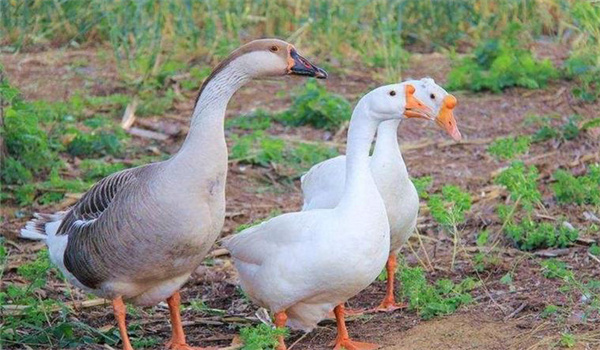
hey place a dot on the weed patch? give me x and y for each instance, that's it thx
(314, 105)
(442, 298)
(449, 210)
(517, 217)
(578, 190)
(261, 149)
(499, 63)
(506, 148)
(261, 337)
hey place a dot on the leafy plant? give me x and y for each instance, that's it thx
(509, 147)
(578, 190)
(315, 106)
(449, 210)
(450, 207)
(567, 340)
(104, 138)
(530, 235)
(96, 169)
(443, 298)
(261, 149)
(261, 337)
(584, 64)
(422, 184)
(257, 120)
(499, 63)
(42, 321)
(521, 182)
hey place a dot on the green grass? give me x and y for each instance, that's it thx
(506, 148)
(500, 63)
(531, 235)
(578, 190)
(40, 137)
(519, 223)
(261, 149)
(423, 185)
(261, 337)
(584, 64)
(314, 105)
(38, 322)
(449, 209)
(430, 300)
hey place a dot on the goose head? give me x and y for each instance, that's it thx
(396, 101)
(441, 102)
(267, 58)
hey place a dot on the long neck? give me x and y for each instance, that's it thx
(387, 161)
(204, 151)
(387, 139)
(359, 180)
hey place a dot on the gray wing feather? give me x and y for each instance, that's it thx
(91, 206)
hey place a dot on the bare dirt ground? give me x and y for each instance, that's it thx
(502, 317)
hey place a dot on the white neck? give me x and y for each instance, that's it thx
(359, 181)
(204, 151)
(387, 139)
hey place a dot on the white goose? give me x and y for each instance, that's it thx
(323, 184)
(302, 265)
(138, 234)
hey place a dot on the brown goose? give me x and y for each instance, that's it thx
(138, 234)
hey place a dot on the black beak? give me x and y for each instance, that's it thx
(301, 66)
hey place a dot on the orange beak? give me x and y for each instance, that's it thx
(413, 107)
(445, 118)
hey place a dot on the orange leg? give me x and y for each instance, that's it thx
(119, 311)
(389, 302)
(343, 339)
(280, 320)
(177, 341)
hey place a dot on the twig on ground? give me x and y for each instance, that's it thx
(514, 313)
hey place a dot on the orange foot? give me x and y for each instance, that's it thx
(349, 344)
(388, 306)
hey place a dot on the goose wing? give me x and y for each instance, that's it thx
(96, 201)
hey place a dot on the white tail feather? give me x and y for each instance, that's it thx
(38, 228)
(30, 232)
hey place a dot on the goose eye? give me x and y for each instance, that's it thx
(432, 96)
(392, 93)
(274, 48)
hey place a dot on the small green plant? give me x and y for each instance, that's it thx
(42, 322)
(530, 235)
(595, 250)
(315, 106)
(442, 298)
(500, 63)
(549, 310)
(261, 337)
(506, 148)
(261, 149)
(105, 138)
(567, 340)
(257, 120)
(96, 169)
(423, 184)
(449, 210)
(579, 190)
(524, 231)
(584, 65)
(521, 182)
(257, 148)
